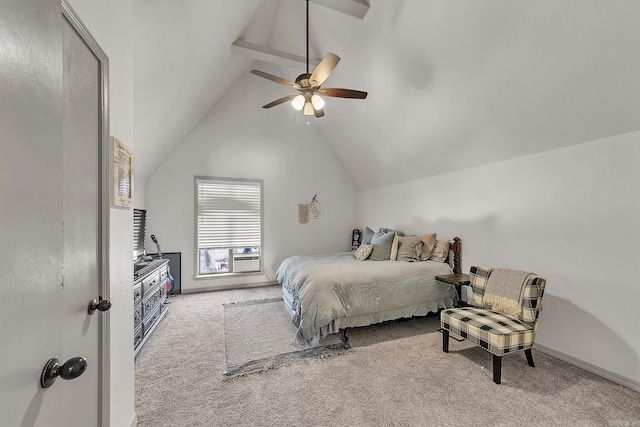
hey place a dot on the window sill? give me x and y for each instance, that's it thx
(228, 275)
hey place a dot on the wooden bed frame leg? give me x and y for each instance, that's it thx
(345, 338)
(529, 355)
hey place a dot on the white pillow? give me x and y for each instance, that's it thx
(363, 251)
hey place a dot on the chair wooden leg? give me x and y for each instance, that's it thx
(445, 340)
(497, 369)
(527, 353)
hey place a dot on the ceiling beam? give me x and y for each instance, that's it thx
(355, 8)
(273, 56)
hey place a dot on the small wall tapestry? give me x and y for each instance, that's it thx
(303, 211)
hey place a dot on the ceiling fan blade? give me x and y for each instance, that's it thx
(342, 93)
(324, 68)
(275, 78)
(319, 113)
(280, 101)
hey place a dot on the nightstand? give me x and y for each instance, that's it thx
(457, 280)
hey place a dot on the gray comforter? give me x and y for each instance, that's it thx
(329, 287)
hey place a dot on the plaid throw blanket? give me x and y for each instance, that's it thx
(503, 292)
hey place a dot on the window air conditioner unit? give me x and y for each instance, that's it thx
(246, 262)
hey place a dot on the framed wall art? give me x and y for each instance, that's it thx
(122, 174)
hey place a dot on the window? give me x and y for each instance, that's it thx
(228, 226)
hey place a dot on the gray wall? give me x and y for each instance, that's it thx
(569, 215)
(238, 139)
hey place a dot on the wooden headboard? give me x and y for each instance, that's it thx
(456, 247)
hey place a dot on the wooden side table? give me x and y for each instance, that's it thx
(457, 280)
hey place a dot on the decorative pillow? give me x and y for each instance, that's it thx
(381, 246)
(394, 248)
(391, 230)
(409, 248)
(429, 241)
(394, 244)
(367, 235)
(440, 251)
(363, 251)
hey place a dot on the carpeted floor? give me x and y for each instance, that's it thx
(395, 375)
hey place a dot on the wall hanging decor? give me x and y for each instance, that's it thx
(303, 211)
(122, 174)
(314, 208)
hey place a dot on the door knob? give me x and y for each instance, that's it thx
(101, 305)
(71, 369)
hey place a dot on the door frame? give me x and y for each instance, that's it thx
(104, 365)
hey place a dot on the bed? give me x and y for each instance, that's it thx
(329, 292)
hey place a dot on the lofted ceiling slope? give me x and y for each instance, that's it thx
(451, 85)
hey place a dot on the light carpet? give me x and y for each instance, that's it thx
(259, 335)
(396, 375)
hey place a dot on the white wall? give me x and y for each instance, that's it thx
(238, 139)
(570, 215)
(111, 26)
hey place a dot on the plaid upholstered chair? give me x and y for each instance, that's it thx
(503, 316)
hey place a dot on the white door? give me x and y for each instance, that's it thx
(82, 212)
(50, 222)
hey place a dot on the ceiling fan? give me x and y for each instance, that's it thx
(308, 84)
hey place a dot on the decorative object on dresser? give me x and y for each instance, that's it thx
(149, 299)
(504, 317)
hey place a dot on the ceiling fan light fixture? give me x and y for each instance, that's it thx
(298, 102)
(308, 85)
(317, 102)
(308, 109)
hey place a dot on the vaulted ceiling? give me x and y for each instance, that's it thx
(452, 84)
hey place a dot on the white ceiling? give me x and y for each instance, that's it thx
(452, 84)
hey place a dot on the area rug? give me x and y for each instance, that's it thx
(259, 336)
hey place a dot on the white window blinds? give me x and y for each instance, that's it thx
(228, 213)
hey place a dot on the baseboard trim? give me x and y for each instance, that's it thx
(229, 286)
(627, 382)
(134, 420)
